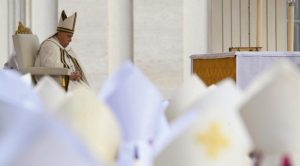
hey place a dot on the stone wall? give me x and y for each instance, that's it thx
(158, 40)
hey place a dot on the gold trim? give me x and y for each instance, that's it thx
(61, 29)
(22, 29)
(64, 82)
(75, 62)
(63, 59)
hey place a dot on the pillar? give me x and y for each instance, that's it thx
(120, 32)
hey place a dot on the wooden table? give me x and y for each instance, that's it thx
(212, 68)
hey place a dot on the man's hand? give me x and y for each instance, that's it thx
(75, 76)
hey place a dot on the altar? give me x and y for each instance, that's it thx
(212, 68)
(243, 67)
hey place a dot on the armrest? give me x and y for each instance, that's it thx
(45, 71)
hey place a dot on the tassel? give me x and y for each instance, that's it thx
(285, 161)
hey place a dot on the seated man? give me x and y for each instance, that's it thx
(54, 52)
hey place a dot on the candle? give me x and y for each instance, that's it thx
(258, 22)
(290, 44)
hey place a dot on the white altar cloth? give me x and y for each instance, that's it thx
(251, 64)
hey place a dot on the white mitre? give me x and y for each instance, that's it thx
(211, 135)
(214, 134)
(271, 112)
(93, 122)
(27, 78)
(33, 139)
(15, 91)
(67, 24)
(50, 93)
(184, 97)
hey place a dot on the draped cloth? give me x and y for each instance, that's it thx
(52, 54)
(250, 64)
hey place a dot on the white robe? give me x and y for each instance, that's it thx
(52, 54)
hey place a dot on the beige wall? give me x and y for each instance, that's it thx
(158, 42)
(43, 18)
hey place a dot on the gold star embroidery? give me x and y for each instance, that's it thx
(213, 140)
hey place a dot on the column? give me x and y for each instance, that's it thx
(4, 30)
(28, 13)
(44, 18)
(195, 31)
(259, 22)
(120, 32)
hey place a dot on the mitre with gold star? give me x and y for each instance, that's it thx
(214, 134)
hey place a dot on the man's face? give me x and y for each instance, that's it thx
(64, 38)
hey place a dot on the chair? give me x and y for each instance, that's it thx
(26, 47)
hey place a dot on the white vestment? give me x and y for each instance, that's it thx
(52, 54)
